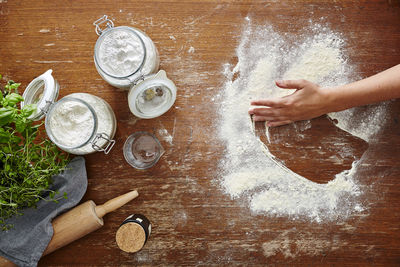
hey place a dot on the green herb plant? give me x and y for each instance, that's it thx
(28, 160)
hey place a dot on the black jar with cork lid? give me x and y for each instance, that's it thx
(133, 233)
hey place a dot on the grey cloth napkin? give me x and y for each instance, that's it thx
(25, 243)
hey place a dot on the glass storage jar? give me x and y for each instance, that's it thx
(78, 123)
(142, 150)
(123, 54)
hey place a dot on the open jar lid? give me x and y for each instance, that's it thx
(153, 96)
(42, 92)
(120, 52)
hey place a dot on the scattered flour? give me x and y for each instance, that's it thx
(163, 133)
(271, 188)
(191, 50)
(366, 122)
(52, 61)
(290, 243)
(319, 59)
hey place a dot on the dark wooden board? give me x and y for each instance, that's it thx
(194, 222)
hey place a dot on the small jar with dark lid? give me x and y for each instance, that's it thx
(133, 233)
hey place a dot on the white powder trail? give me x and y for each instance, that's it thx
(365, 122)
(52, 61)
(163, 133)
(246, 171)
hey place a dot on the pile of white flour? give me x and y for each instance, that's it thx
(264, 56)
(71, 123)
(121, 53)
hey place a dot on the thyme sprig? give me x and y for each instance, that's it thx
(28, 160)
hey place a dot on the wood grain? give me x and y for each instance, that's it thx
(301, 147)
(194, 222)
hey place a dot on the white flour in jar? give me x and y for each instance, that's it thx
(106, 121)
(121, 53)
(72, 122)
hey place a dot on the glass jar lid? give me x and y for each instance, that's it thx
(119, 52)
(71, 123)
(153, 96)
(42, 92)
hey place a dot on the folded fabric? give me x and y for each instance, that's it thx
(25, 243)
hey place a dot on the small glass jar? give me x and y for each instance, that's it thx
(142, 150)
(123, 54)
(78, 123)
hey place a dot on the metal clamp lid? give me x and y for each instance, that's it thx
(109, 143)
(137, 80)
(46, 108)
(102, 20)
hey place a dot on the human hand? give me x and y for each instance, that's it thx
(307, 102)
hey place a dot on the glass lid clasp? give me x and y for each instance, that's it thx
(109, 143)
(135, 81)
(102, 20)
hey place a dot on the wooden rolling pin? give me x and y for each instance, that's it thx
(79, 222)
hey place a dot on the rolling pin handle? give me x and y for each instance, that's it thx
(115, 203)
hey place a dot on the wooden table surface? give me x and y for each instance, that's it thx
(194, 222)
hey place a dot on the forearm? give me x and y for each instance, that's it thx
(380, 87)
(310, 100)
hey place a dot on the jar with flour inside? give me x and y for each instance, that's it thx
(123, 54)
(127, 58)
(78, 123)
